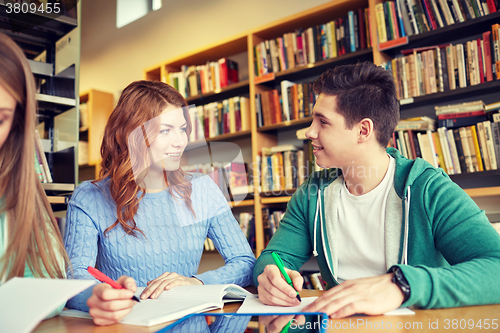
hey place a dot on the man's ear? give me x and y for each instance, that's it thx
(365, 130)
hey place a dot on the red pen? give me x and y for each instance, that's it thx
(103, 278)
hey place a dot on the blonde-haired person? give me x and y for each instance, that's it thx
(30, 242)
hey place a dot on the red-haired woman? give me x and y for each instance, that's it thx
(30, 242)
(144, 220)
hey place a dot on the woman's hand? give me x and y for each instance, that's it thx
(167, 281)
(108, 306)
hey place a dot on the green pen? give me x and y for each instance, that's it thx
(281, 267)
(285, 329)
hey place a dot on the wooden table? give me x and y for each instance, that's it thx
(436, 320)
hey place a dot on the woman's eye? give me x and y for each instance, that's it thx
(184, 129)
(165, 131)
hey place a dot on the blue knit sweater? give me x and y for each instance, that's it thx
(174, 237)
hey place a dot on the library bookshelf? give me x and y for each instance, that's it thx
(242, 46)
(98, 108)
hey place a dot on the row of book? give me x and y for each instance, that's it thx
(231, 115)
(230, 177)
(456, 149)
(433, 69)
(324, 41)
(247, 225)
(202, 79)
(402, 18)
(282, 168)
(313, 280)
(270, 222)
(41, 165)
(293, 101)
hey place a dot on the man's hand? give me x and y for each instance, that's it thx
(108, 306)
(167, 281)
(372, 296)
(273, 289)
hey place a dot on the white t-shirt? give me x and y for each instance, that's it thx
(361, 247)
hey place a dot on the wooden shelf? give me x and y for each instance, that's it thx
(317, 68)
(483, 192)
(239, 88)
(244, 203)
(288, 124)
(223, 137)
(57, 200)
(274, 200)
(442, 35)
(449, 96)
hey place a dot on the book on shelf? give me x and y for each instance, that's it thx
(295, 101)
(228, 116)
(300, 47)
(438, 68)
(200, 79)
(282, 168)
(41, 164)
(176, 303)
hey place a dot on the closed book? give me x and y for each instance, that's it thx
(460, 122)
(475, 144)
(482, 146)
(460, 151)
(461, 114)
(454, 152)
(381, 24)
(490, 145)
(469, 167)
(495, 132)
(439, 150)
(487, 55)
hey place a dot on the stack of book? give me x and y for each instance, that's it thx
(202, 79)
(427, 70)
(324, 41)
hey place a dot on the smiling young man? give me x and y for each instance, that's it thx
(386, 231)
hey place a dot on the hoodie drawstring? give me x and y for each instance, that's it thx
(318, 209)
(407, 224)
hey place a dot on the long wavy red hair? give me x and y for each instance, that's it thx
(140, 102)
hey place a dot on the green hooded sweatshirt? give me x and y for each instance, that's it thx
(438, 236)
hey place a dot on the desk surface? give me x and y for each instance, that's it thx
(437, 320)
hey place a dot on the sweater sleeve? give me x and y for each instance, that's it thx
(468, 242)
(292, 239)
(229, 240)
(80, 241)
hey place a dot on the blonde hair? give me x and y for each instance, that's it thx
(33, 234)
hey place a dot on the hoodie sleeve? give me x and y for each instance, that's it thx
(461, 232)
(292, 239)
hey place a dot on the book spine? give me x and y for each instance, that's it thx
(475, 143)
(460, 122)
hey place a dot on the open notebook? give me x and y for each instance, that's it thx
(176, 303)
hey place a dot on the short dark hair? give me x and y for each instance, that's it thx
(363, 90)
